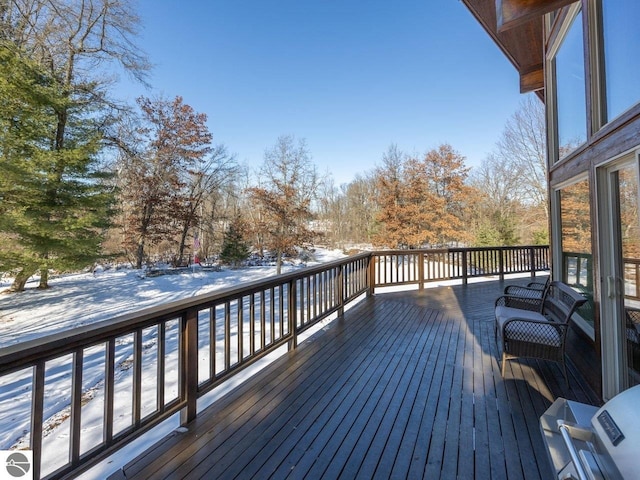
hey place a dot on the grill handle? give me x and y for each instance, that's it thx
(566, 436)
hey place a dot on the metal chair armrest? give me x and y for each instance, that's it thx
(523, 303)
(518, 291)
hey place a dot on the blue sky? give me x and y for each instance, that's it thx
(349, 76)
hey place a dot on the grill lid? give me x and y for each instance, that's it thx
(617, 428)
(584, 441)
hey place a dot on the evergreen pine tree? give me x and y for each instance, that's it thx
(54, 203)
(234, 246)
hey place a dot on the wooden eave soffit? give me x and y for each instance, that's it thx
(511, 13)
(532, 80)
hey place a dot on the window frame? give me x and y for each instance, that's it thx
(584, 325)
(598, 85)
(563, 25)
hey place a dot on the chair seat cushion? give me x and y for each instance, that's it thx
(540, 333)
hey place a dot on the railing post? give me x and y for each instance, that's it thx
(189, 373)
(37, 409)
(465, 277)
(421, 270)
(292, 309)
(341, 290)
(532, 262)
(371, 275)
(501, 254)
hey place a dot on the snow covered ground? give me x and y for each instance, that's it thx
(81, 299)
(84, 298)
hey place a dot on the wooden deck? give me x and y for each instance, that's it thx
(406, 385)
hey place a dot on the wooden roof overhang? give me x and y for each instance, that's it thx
(516, 27)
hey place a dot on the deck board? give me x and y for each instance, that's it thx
(405, 385)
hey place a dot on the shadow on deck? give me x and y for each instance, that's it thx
(405, 385)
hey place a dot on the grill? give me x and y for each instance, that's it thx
(587, 442)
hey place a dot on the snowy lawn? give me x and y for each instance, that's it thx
(82, 299)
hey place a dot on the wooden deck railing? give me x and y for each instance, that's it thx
(402, 267)
(188, 347)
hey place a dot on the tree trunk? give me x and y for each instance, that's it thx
(278, 262)
(140, 254)
(183, 241)
(44, 279)
(21, 279)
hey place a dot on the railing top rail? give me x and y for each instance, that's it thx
(499, 248)
(398, 251)
(17, 355)
(455, 249)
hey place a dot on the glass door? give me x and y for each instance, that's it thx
(620, 254)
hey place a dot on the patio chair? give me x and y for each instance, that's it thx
(533, 289)
(536, 327)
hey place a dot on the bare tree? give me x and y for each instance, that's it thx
(361, 209)
(512, 180)
(499, 202)
(289, 184)
(207, 178)
(347, 214)
(76, 39)
(523, 146)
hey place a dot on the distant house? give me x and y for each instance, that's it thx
(581, 59)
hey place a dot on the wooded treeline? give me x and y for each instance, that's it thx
(86, 178)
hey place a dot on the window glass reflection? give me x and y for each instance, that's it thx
(577, 260)
(571, 109)
(621, 40)
(627, 189)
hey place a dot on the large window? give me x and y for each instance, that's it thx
(621, 50)
(569, 82)
(577, 260)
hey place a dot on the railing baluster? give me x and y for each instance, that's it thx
(322, 291)
(137, 377)
(263, 323)
(341, 289)
(76, 405)
(272, 314)
(252, 324)
(109, 390)
(160, 378)
(308, 299)
(281, 309)
(291, 315)
(213, 350)
(227, 335)
(240, 317)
